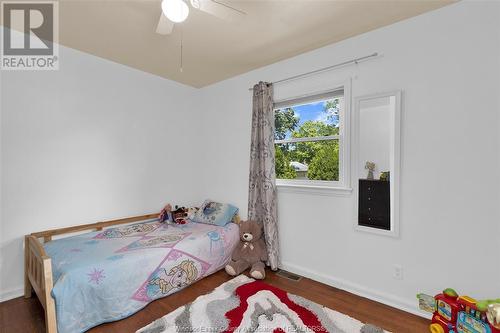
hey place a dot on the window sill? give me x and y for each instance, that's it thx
(314, 189)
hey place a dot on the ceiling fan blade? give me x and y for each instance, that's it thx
(220, 9)
(165, 26)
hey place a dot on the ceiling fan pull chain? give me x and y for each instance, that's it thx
(182, 38)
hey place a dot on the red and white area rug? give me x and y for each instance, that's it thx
(246, 305)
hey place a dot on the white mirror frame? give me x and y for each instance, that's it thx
(395, 168)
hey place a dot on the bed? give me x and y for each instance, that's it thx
(118, 268)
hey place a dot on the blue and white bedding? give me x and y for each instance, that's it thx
(108, 275)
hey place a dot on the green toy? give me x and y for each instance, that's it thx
(483, 305)
(385, 175)
(461, 314)
(450, 292)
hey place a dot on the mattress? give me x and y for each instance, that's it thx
(108, 275)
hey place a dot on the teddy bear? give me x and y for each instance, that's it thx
(250, 252)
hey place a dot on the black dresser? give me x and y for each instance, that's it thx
(374, 204)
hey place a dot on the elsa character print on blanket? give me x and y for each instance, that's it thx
(133, 230)
(212, 208)
(165, 241)
(162, 240)
(167, 279)
(179, 276)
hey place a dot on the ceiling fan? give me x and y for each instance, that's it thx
(176, 11)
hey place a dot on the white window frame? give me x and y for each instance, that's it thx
(343, 185)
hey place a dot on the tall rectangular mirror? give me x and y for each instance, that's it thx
(377, 162)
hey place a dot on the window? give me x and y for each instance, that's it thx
(310, 140)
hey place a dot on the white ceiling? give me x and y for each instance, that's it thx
(214, 49)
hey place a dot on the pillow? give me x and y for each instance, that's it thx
(215, 213)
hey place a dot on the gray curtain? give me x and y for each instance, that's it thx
(262, 204)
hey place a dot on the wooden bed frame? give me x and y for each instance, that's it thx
(38, 265)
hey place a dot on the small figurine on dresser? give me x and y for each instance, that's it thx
(370, 166)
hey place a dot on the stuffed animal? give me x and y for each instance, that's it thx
(179, 215)
(191, 212)
(250, 252)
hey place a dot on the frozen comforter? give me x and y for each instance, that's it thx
(108, 275)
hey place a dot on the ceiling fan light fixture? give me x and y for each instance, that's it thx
(175, 10)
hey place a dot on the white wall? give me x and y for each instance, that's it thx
(95, 140)
(447, 63)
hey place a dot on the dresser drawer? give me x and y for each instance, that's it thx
(374, 204)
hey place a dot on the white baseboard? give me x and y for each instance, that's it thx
(5, 295)
(353, 288)
(387, 299)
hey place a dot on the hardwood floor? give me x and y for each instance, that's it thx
(26, 315)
